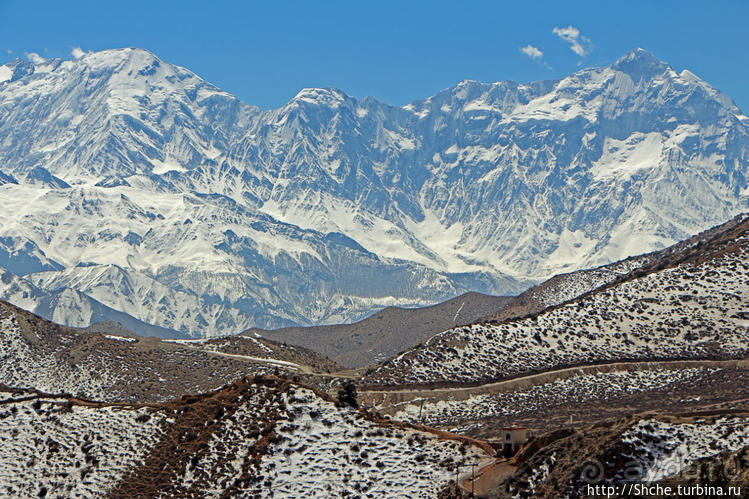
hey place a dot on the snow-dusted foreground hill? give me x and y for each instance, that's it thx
(694, 304)
(568, 286)
(134, 187)
(689, 450)
(259, 437)
(579, 389)
(51, 448)
(35, 353)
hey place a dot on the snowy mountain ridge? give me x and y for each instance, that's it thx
(156, 194)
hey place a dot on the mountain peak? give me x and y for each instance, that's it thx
(639, 54)
(328, 96)
(641, 62)
(129, 56)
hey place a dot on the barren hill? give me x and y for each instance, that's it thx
(565, 287)
(690, 303)
(258, 437)
(387, 332)
(655, 450)
(36, 353)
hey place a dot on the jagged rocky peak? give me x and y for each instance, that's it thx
(640, 62)
(663, 81)
(136, 115)
(328, 96)
(15, 69)
(39, 175)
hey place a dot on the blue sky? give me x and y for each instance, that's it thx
(398, 51)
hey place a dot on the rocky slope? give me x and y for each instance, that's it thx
(148, 190)
(575, 398)
(258, 437)
(645, 450)
(565, 287)
(38, 354)
(690, 304)
(387, 332)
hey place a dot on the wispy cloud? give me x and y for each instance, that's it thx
(532, 52)
(35, 58)
(578, 44)
(78, 52)
(9, 51)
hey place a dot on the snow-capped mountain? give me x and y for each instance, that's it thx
(149, 190)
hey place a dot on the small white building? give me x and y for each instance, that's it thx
(512, 438)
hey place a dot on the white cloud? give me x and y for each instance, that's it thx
(35, 58)
(532, 52)
(9, 51)
(578, 44)
(78, 52)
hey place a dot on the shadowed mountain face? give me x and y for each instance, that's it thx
(134, 186)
